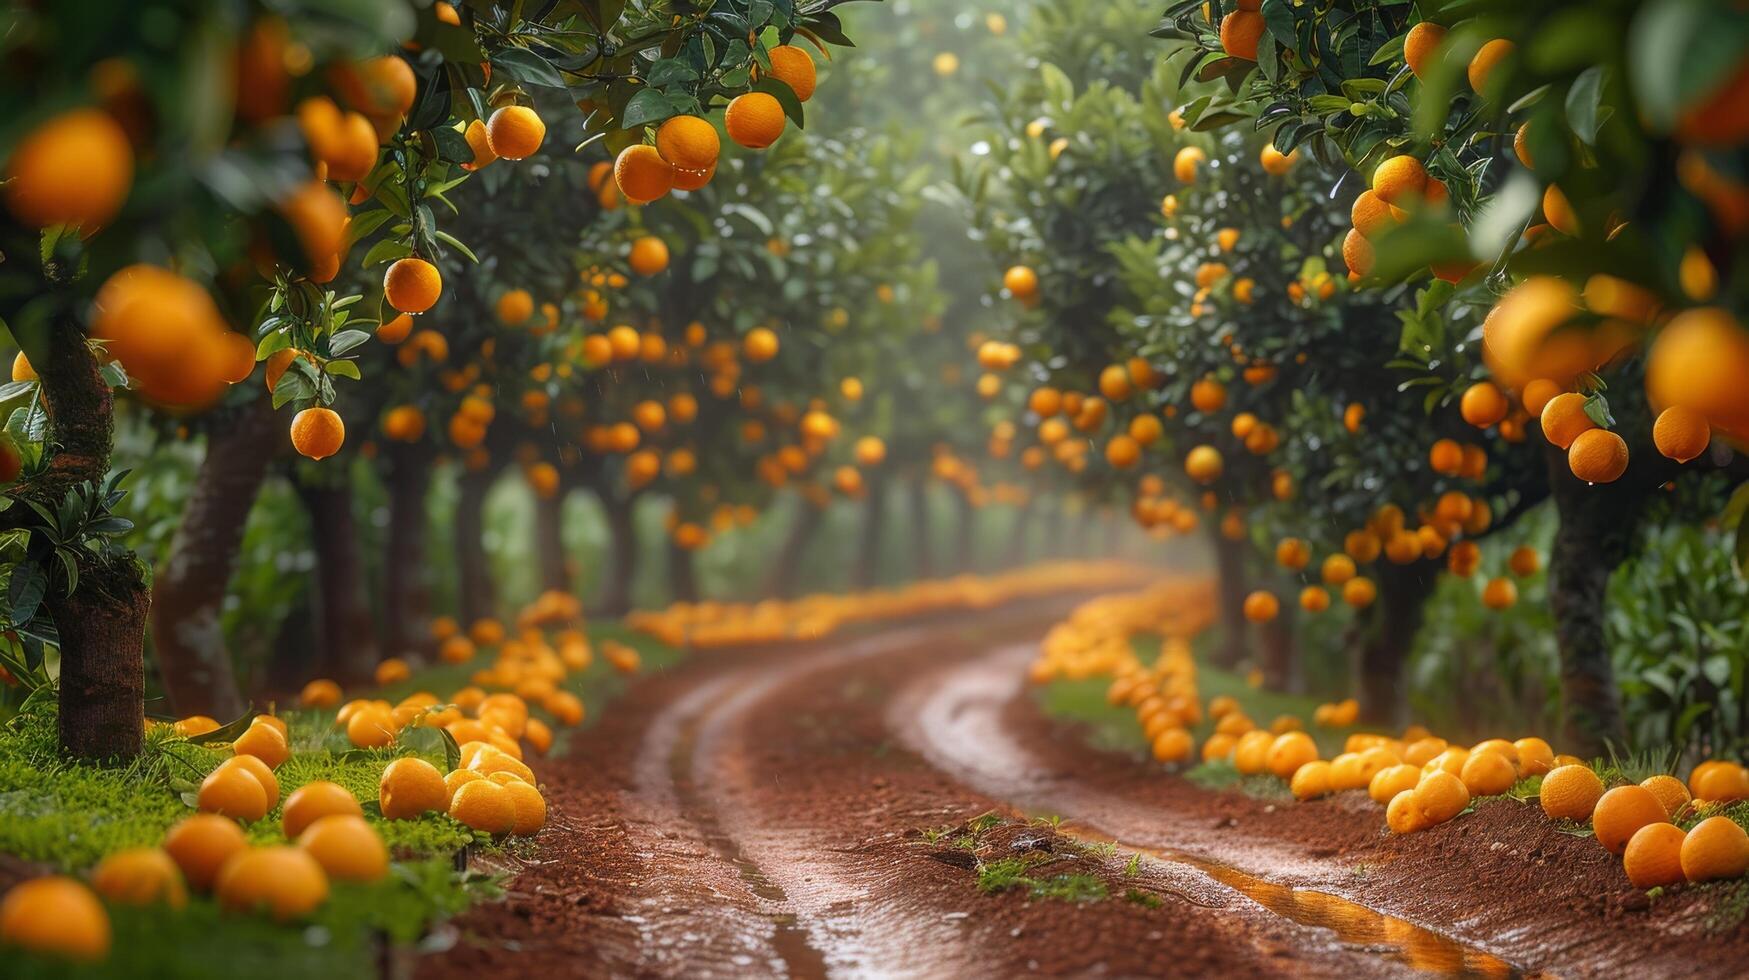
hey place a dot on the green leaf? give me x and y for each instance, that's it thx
(786, 97)
(1583, 99)
(386, 250)
(346, 340)
(25, 592)
(527, 67)
(647, 106)
(456, 243)
(345, 369)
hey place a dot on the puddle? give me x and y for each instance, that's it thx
(1354, 924)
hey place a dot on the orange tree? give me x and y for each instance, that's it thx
(128, 201)
(1488, 143)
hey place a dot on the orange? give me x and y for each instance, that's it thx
(1598, 456)
(347, 848)
(1441, 796)
(1419, 45)
(1524, 561)
(264, 742)
(1653, 858)
(1623, 811)
(1240, 32)
(641, 174)
(1186, 162)
(1261, 607)
(75, 169)
(483, 805)
(201, 844)
(318, 432)
(1571, 792)
(1274, 163)
(1357, 253)
(263, 775)
(1534, 756)
(1122, 452)
(1208, 395)
(1720, 782)
(1680, 433)
(381, 86)
(1359, 592)
(1499, 594)
(312, 801)
(284, 881)
(1399, 180)
(1314, 599)
(1698, 362)
(1483, 405)
(371, 728)
(689, 143)
(1669, 791)
(1370, 214)
(1487, 59)
(55, 916)
(515, 132)
(529, 808)
(1559, 211)
(1337, 569)
(491, 761)
(1391, 780)
(1311, 780)
(515, 307)
(140, 876)
(754, 120)
(1288, 752)
(1022, 282)
(759, 345)
(234, 792)
(412, 285)
(21, 369)
(411, 787)
(1715, 848)
(1404, 814)
(1564, 419)
(649, 255)
(1203, 464)
(479, 142)
(794, 67)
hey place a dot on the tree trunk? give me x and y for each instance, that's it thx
(1402, 594)
(1017, 534)
(965, 534)
(102, 627)
(188, 640)
(345, 636)
(682, 574)
(786, 570)
(867, 571)
(407, 594)
(1230, 569)
(616, 596)
(1598, 531)
(101, 624)
(476, 600)
(923, 567)
(1280, 661)
(549, 541)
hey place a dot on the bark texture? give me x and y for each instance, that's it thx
(682, 574)
(1232, 586)
(102, 627)
(616, 594)
(867, 570)
(406, 592)
(188, 640)
(345, 634)
(1403, 592)
(476, 599)
(549, 542)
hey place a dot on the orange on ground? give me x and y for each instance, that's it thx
(285, 882)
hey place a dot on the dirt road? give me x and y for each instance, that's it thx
(804, 812)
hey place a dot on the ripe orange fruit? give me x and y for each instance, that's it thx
(1418, 46)
(411, 787)
(794, 67)
(1022, 282)
(347, 848)
(1488, 774)
(1719, 781)
(201, 844)
(689, 143)
(1534, 756)
(1564, 419)
(318, 432)
(1669, 791)
(1524, 561)
(1314, 599)
(234, 792)
(1714, 849)
(412, 285)
(1289, 751)
(264, 742)
(1261, 607)
(1571, 792)
(515, 307)
(1122, 452)
(1680, 433)
(515, 132)
(382, 86)
(1487, 59)
(1357, 253)
(313, 801)
(263, 775)
(1391, 780)
(1622, 811)
(1186, 162)
(140, 876)
(1359, 592)
(1404, 814)
(55, 916)
(649, 255)
(1274, 163)
(1311, 780)
(1698, 362)
(1208, 395)
(754, 120)
(479, 142)
(485, 806)
(759, 345)
(284, 881)
(1559, 211)
(1441, 796)
(1499, 594)
(1483, 405)
(1240, 32)
(73, 169)
(1399, 180)
(641, 174)
(529, 807)
(1653, 857)
(1203, 464)
(1598, 456)
(372, 727)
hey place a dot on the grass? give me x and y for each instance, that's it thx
(1006, 874)
(1220, 775)
(67, 816)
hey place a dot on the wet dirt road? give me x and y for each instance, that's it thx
(788, 813)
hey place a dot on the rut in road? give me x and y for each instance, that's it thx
(752, 814)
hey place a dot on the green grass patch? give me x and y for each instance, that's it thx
(1220, 775)
(1006, 874)
(68, 815)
